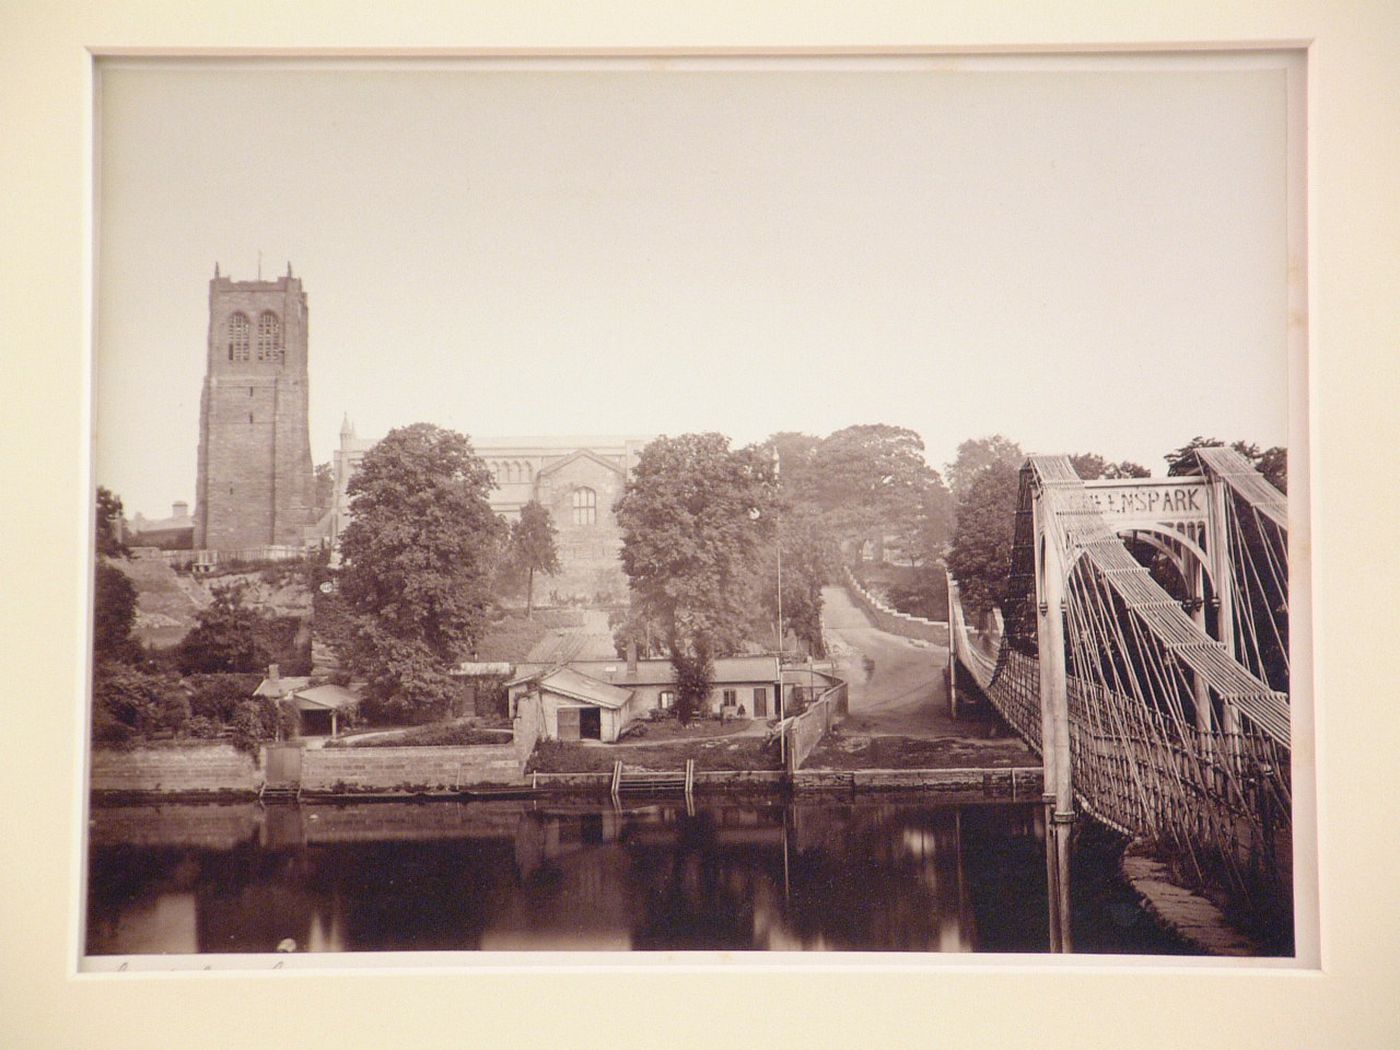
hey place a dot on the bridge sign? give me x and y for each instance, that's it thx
(1158, 501)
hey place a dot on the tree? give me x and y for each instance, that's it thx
(113, 594)
(229, 636)
(129, 702)
(872, 481)
(1091, 466)
(1272, 462)
(980, 556)
(807, 557)
(114, 615)
(533, 548)
(694, 518)
(324, 478)
(975, 455)
(109, 525)
(419, 554)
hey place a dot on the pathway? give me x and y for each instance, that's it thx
(896, 684)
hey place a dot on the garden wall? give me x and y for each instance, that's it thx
(894, 622)
(388, 769)
(197, 769)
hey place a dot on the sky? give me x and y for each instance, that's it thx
(1080, 256)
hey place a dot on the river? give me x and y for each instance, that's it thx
(448, 876)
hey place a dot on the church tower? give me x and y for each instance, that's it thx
(254, 486)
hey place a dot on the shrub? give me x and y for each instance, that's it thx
(138, 699)
(255, 721)
(217, 696)
(202, 728)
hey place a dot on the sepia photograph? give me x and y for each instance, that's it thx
(781, 506)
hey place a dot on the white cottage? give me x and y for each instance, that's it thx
(572, 706)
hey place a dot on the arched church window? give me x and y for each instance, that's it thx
(269, 337)
(238, 337)
(585, 507)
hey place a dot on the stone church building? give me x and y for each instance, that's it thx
(254, 490)
(577, 479)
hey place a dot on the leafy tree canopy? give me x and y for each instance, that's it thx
(325, 487)
(419, 555)
(1091, 467)
(109, 525)
(228, 636)
(980, 556)
(533, 548)
(975, 455)
(114, 615)
(694, 519)
(1272, 462)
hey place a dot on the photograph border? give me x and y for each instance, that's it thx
(1167, 62)
(1350, 84)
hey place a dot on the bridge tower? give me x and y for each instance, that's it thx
(254, 486)
(1184, 519)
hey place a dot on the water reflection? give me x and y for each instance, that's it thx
(520, 875)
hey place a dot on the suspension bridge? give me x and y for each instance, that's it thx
(1142, 650)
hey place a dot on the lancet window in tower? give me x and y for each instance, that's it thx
(269, 337)
(585, 507)
(238, 337)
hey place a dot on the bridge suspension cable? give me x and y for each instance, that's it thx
(1171, 736)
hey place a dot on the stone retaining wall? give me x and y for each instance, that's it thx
(895, 622)
(1019, 784)
(408, 769)
(200, 769)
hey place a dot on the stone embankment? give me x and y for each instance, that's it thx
(1193, 918)
(217, 770)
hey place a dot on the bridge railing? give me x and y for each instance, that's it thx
(1226, 794)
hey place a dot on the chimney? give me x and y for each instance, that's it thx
(272, 675)
(179, 509)
(632, 656)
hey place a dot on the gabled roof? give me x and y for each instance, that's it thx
(729, 670)
(326, 697)
(277, 688)
(568, 682)
(574, 457)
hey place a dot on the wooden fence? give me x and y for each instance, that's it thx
(802, 734)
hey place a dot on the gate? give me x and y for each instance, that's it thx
(283, 767)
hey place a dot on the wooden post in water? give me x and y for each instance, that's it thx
(952, 653)
(1054, 732)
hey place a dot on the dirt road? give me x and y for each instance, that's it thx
(896, 684)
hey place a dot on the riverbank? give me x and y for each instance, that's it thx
(1198, 921)
(219, 772)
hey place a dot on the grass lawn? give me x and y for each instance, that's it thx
(448, 734)
(726, 752)
(668, 729)
(901, 752)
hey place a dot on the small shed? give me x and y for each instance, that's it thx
(574, 706)
(319, 707)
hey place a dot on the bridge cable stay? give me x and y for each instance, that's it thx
(1144, 680)
(1257, 517)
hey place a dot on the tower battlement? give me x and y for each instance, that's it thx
(254, 486)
